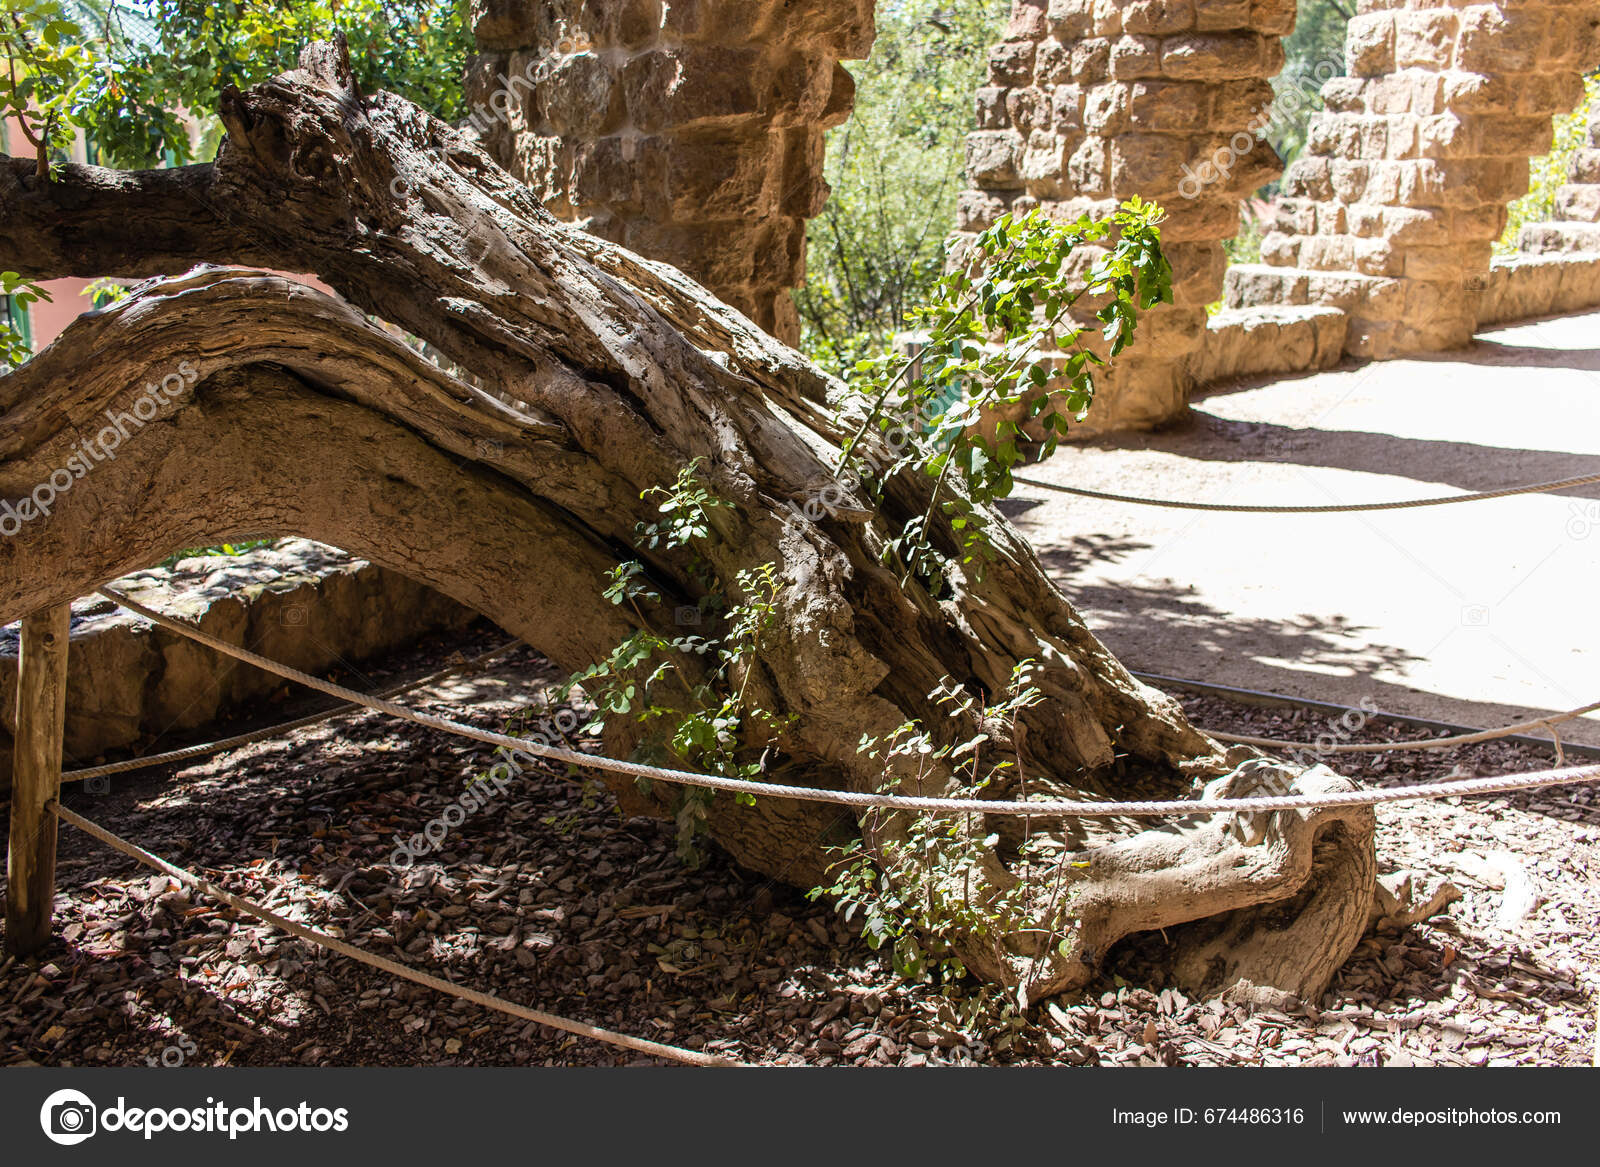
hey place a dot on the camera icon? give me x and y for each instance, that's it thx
(68, 1117)
(98, 784)
(293, 616)
(687, 617)
(1475, 616)
(487, 449)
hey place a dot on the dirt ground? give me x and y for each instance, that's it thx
(553, 900)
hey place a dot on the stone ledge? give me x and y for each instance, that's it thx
(1251, 342)
(298, 602)
(1559, 238)
(1526, 286)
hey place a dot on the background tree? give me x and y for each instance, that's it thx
(895, 168)
(140, 81)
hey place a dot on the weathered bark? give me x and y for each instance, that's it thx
(608, 374)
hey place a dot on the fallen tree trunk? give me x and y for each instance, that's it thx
(282, 410)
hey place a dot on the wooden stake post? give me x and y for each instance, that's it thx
(36, 777)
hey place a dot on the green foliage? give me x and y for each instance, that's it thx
(696, 716)
(895, 167)
(989, 325)
(1313, 54)
(917, 882)
(1245, 246)
(16, 293)
(124, 74)
(227, 549)
(1003, 329)
(1548, 173)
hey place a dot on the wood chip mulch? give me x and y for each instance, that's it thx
(552, 899)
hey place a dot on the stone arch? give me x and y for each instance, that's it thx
(690, 131)
(1092, 101)
(1391, 213)
(1576, 226)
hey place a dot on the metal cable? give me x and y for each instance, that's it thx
(1328, 509)
(1461, 739)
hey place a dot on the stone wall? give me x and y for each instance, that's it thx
(298, 602)
(691, 131)
(1092, 101)
(1577, 223)
(1391, 213)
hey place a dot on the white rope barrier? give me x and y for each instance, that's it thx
(383, 964)
(203, 749)
(1040, 808)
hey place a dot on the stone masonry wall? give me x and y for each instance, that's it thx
(1403, 188)
(690, 131)
(1577, 223)
(298, 602)
(1092, 101)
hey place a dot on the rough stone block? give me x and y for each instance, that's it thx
(1349, 179)
(1251, 284)
(1219, 15)
(978, 210)
(1091, 60)
(1273, 17)
(1107, 17)
(1066, 105)
(1424, 39)
(1150, 165)
(1105, 109)
(1052, 64)
(1011, 63)
(991, 108)
(1155, 106)
(1088, 169)
(1308, 178)
(1213, 56)
(1580, 203)
(1200, 219)
(993, 157)
(1514, 135)
(1157, 17)
(672, 87)
(1446, 136)
(1369, 45)
(1241, 103)
(1134, 57)
(1071, 19)
(1495, 40)
(1028, 110)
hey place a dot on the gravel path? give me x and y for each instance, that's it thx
(551, 899)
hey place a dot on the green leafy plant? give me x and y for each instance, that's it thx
(1011, 328)
(17, 293)
(695, 714)
(1548, 173)
(135, 78)
(915, 882)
